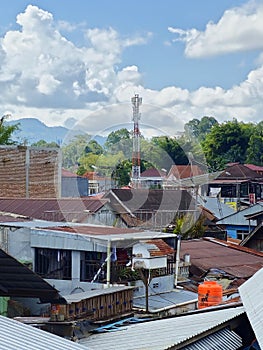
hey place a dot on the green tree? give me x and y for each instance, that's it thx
(93, 147)
(174, 149)
(188, 227)
(199, 128)
(6, 131)
(116, 136)
(43, 143)
(255, 146)
(227, 142)
(73, 150)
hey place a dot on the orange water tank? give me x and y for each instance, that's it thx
(209, 294)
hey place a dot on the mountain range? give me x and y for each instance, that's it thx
(32, 130)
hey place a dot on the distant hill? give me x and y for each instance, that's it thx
(32, 130)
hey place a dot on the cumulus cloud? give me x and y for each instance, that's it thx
(41, 68)
(45, 75)
(239, 29)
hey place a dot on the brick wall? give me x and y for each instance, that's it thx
(30, 172)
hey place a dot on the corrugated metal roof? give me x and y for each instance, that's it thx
(135, 200)
(77, 297)
(166, 300)
(64, 209)
(251, 293)
(223, 339)
(160, 248)
(112, 234)
(15, 335)
(161, 334)
(239, 217)
(211, 253)
(220, 210)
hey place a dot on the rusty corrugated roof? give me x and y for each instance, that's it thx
(162, 248)
(64, 209)
(93, 230)
(211, 253)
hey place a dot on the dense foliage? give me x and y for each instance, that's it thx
(203, 141)
(6, 132)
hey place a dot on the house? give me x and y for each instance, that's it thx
(179, 172)
(149, 208)
(238, 183)
(152, 178)
(98, 183)
(73, 256)
(258, 169)
(254, 239)
(73, 185)
(88, 209)
(237, 224)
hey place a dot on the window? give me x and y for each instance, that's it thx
(93, 264)
(53, 263)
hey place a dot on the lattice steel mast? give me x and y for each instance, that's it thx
(136, 156)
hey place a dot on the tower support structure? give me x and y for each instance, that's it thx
(136, 156)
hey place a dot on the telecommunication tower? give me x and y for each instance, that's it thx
(136, 157)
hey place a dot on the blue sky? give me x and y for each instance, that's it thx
(75, 60)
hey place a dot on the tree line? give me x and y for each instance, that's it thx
(204, 141)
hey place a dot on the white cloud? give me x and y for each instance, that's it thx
(45, 75)
(43, 68)
(239, 29)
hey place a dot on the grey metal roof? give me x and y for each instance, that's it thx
(251, 293)
(76, 297)
(238, 218)
(223, 339)
(220, 210)
(166, 300)
(161, 334)
(15, 335)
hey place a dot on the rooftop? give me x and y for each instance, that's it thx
(161, 334)
(63, 209)
(209, 253)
